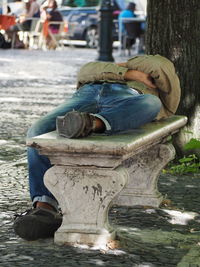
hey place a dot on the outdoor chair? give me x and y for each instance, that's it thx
(26, 36)
(132, 32)
(35, 35)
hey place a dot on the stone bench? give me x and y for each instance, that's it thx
(91, 174)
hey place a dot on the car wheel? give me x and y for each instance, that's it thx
(91, 37)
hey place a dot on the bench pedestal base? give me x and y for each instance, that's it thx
(84, 195)
(100, 240)
(144, 170)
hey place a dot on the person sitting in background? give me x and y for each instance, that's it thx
(130, 31)
(24, 22)
(51, 14)
(129, 12)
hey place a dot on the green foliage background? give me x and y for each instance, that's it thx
(187, 164)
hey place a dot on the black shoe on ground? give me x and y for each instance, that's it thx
(75, 124)
(37, 223)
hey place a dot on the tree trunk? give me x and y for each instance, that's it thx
(173, 31)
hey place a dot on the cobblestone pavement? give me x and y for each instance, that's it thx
(31, 84)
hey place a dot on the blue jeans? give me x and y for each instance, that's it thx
(120, 107)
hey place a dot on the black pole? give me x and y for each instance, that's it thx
(105, 31)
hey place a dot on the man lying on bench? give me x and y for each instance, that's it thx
(111, 98)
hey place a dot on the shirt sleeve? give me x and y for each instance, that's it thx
(101, 71)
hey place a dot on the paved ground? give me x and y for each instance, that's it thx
(31, 84)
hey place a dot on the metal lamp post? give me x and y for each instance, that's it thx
(105, 31)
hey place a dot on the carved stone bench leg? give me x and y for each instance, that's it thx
(144, 170)
(84, 195)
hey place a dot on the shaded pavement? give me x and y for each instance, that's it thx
(33, 83)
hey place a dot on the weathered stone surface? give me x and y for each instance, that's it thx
(144, 170)
(84, 195)
(122, 145)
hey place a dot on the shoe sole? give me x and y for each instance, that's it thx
(71, 125)
(30, 228)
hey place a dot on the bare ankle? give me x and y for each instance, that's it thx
(99, 126)
(44, 205)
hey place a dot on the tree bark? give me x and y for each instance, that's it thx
(173, 31)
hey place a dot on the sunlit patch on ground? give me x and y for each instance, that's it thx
(178, 217)
(10, 99)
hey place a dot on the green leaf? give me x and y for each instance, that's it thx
(192, 144)
(187, 159)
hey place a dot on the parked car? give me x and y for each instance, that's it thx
(83, 24)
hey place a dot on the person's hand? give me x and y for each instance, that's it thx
(22, 18)
(136, 75)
